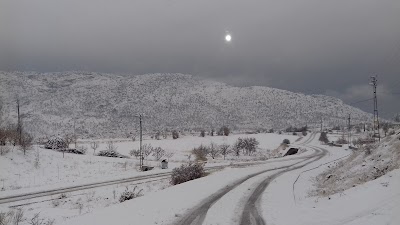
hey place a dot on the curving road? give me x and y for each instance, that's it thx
(250, 214)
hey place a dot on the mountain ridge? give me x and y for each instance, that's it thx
(104, 105)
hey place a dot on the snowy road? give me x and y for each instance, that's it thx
(250, 214)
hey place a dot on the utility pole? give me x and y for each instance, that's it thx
(349, 131)
(19, 123)
(374, 82)
(75, 133)
(140, 143)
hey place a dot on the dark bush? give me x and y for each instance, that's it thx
(111, 153)
(323, 138)
(80, 150)
(56, 143)
(186, 173)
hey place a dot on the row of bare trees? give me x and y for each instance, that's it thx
(243, 146)
(147, 150)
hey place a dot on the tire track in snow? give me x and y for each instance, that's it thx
(251, 214)
(197, 215)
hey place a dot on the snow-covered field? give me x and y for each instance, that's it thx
(43, 169)
(287, 200)
(19, 172)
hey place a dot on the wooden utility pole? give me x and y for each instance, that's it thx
(140, 147)
(75, 133)
(19, 126)
(349, 131)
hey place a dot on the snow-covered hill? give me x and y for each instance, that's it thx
(105, 104)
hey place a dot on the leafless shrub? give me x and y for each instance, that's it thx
(80, 206)
(6, 218)
(4, 149)
(90, 196)
(147, 149)
(81, 150)
(169, 154)
(55, 202)
(158, 153)
(26, 142)
(111, 146)
(135, 152)
(130, 194)
(69, 139)
(200, 153)
(18, 216)
(62, 195)
(341, 141)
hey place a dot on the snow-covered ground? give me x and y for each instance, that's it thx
(287, 200)
(376, 202)
(18, 171)
(19, 174)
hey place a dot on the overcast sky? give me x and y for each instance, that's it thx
(315, 47)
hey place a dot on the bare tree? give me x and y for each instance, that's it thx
(158, 153)
(26, 142)
(169, 154)
(68, 139)
(147, 149)
(236, 150)
(110, 146)
(248, 145)
(213, 150)
(94, 145)
(385, 127)
(224, 149)
(135, 152)
(19, 123)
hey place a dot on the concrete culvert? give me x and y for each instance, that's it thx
(291, 151)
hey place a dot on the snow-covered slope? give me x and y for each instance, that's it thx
(105, 104)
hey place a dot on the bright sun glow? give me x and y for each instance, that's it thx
(228, 38)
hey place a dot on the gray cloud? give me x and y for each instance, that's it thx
(308, 46)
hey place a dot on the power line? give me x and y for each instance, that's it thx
(365, 100)
(387, 92)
